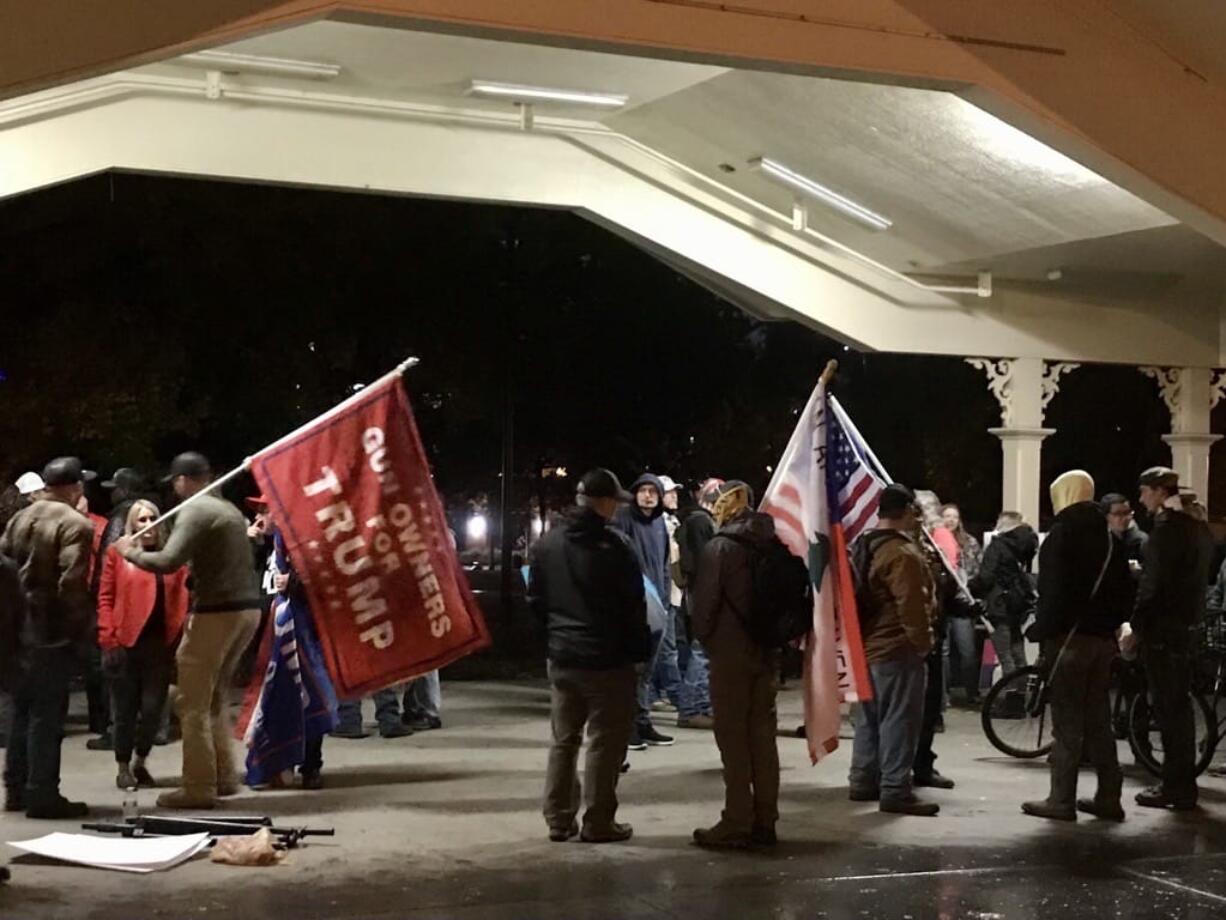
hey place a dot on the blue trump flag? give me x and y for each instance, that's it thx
(296, 701)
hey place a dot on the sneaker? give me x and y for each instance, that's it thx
(663, 706)
(181, 798)
(1157, 797)
(1218, 770)
(312, 780)
(58, 809)
(352, 734)
(649, 734)
(763, 835)
(1045, 809)
(614, 833)
(125, 779)
(909, 806)
(698, 721)
(722, 837)
(399, 730)
(422, 723)
(101, 743)
(143, 776)
(934, 780)
(563, 834)
(863, 795)
(1105, 812)
(636, 742)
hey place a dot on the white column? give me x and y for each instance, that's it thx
(1190, 393)
(1023, 387)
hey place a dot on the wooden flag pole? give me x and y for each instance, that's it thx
(832, 367)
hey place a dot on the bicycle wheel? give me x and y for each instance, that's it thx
(1145, 736)
(1015, 715)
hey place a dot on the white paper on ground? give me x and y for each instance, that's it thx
(136, 854)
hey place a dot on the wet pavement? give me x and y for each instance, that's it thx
(446, 824)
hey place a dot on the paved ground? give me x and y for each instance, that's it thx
(446, 824)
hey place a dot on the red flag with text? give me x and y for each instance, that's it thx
(352, 495)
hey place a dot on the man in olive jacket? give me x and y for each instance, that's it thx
(1170, 600)
(897, 592)
(50, 544)
(210, 536)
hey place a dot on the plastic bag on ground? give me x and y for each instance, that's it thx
(255, 850)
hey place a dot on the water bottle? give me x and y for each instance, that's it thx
(131, 806)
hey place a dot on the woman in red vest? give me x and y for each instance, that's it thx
(140, 619)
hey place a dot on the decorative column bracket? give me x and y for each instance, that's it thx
(1170, 386)
(1000, 384)
(1052, 372)
(1217, 388)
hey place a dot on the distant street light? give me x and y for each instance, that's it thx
(477, 528)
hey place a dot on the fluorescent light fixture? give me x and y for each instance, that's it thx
(233, 62)
(814, 189)
(519, 93)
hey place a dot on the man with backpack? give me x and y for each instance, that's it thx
(1084, 595)
(895, 600)
(1004, 584)
(750, 596)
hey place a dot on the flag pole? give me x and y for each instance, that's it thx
(845, 420)
(831, 368)
(397, 371)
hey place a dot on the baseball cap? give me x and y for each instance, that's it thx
(895, 499)
(668, 484)
(1161, 477)
(257, 502)
(29, 483)
(126, 478)
(188, 463)
(65, 471)
(602, 483)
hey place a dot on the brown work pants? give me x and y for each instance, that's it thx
(208, 655)
(743, 701)
(1081, 719)
(604, 703)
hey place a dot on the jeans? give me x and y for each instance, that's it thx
(138, 697)
(962, 638)
(1081, 719)
(888, 728)
(642, 716)
(666, 677)
(40, 699)
(934, 693)
(1010, 645)
(603, 702)
(387, 712)
(423, 697)
(1170, 686)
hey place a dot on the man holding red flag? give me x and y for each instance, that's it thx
(210, 536)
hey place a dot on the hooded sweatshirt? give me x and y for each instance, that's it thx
(721, 596)
(648, 536)
(1006, 561)
(1078, 552)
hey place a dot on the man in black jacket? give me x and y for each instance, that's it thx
(1170, 600)
(1084, 591)
(1003, 583)
(586, 585)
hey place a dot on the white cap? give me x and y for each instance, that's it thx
(28, 483)
(667, 483)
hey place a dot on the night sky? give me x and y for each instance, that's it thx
(148, 315)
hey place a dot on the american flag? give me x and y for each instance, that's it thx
(855, 487)
(825, 483)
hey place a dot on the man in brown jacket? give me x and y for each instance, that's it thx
(896, 597)
(51, 544)
(743, 674)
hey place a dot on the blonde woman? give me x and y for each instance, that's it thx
(140, 619)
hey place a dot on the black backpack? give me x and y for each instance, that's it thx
(781, 605)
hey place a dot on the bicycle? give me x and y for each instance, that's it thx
(1017, 722)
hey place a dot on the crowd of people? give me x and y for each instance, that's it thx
(925, 592)
(649, 601)
(145, 610)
